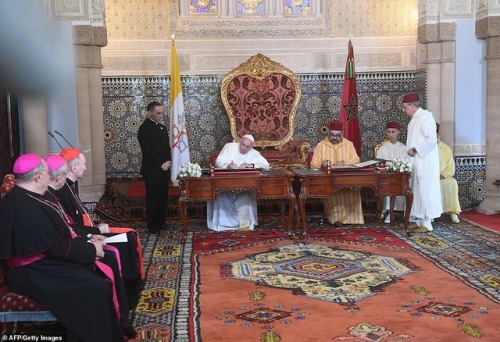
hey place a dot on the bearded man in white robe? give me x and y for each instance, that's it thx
(389, 150)
(423, 155)
(236, 211)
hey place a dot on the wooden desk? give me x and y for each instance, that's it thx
(276, 184)
(319, 184)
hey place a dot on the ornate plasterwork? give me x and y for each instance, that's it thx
(439, 32)
(485, 8)
(73, 8)
(202, 57)
(461, 150)
(152, 65)
(340, 18)
(421, 56)
(381, 18)
(384, 41)
(79, 12)
(88, 35)
(488, 27)
(434, 11)
(457, 9)
(428, 11)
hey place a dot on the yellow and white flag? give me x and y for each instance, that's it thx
(178, 132)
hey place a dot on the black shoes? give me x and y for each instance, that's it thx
(155, 230)
(128, 330)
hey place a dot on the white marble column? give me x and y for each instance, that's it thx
(433, 80)
(34, 125)
(491, 203)
(447, 99)
(440, 70)
(88, 41)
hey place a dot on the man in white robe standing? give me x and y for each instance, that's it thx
(423, 155)
(236, 211)
(389, 150)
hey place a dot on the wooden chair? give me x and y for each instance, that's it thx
(261, 97)
(377, 147)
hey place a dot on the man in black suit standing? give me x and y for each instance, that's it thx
(155, 169)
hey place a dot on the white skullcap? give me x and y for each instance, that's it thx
(249, 136)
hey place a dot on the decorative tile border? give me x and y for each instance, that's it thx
(125, 99)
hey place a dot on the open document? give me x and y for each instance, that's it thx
(117, 238)
(372, 162)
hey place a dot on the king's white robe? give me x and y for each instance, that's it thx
(425, 166)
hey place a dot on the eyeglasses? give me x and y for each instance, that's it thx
(335, 134)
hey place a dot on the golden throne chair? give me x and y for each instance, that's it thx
(261, 97)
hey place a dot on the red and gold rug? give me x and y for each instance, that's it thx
(339, 284)
(487, 221)
(363, 283)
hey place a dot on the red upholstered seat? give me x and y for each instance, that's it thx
(15, 307)
(261, 98)
(7, 184)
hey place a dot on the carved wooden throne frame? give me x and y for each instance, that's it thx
(261, 97)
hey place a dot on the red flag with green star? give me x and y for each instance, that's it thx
(349, 106)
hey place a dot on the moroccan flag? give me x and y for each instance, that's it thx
(349, 106)
(178, 132)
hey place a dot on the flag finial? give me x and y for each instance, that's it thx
(173, 37)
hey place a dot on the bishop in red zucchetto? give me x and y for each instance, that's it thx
(70, 153)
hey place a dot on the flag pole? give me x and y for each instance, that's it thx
(349, 105)
(178, 132)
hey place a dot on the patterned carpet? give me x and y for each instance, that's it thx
(356, 283)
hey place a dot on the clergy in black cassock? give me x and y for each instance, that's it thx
(58, 171)
(128, 251)
(46, 263)
(153, 138)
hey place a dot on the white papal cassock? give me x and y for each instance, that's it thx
(233, 211)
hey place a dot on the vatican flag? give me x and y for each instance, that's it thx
(178, 132)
